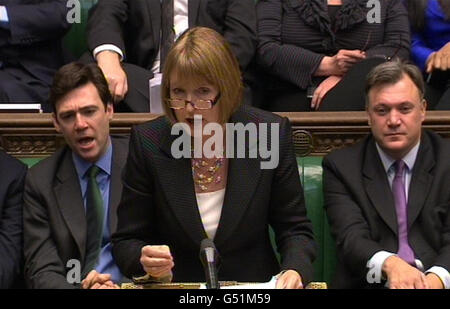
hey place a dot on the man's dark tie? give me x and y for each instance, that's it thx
(405, 251)
(167, 30)
(94, 218)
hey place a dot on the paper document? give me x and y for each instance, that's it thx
(155, 94)
(20, 108)
(249, 286)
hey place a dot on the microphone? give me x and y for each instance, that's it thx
(210, 260)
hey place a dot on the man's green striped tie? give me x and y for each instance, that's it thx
(94, 219)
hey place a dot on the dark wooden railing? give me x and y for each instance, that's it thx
(314, 133)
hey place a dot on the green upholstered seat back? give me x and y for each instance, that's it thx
(30, 161)
(310, 169)
(75, 39)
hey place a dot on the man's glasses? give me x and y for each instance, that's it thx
(196, 103)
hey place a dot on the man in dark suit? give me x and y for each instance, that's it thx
(11, 190)
(387, 197)
(30, 48)
(125, 38)
(76, 190)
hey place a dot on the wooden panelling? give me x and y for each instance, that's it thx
(314, 133)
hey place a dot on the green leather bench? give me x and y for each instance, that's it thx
(75, 39)
(310, 169)
(30, 161)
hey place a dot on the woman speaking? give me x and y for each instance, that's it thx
(170, 204)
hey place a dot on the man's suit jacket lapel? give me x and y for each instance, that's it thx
(377, 186)
(193, 7)
(70, 202)
(119, 158)
(154, 10)
(421, 179)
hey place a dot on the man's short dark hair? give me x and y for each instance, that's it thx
(391, 72)
(74, 75)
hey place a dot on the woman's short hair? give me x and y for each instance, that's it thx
(391, 72)
(74, 75)
(202, 53)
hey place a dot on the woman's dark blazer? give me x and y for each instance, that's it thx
(159, 207)
(294, 35)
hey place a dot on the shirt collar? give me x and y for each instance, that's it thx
(409, 158)
(104, 162)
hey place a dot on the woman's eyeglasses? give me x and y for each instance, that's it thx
(196, 103)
